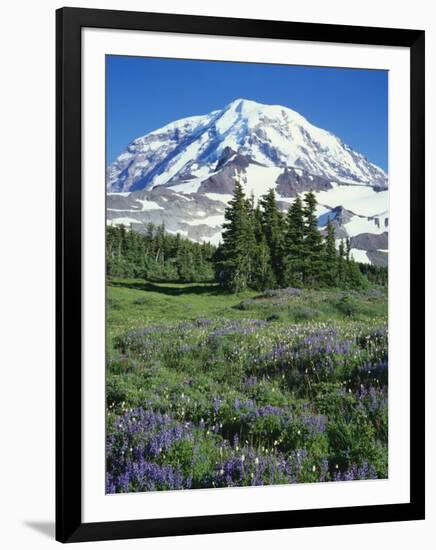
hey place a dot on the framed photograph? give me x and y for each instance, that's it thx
(240, 274)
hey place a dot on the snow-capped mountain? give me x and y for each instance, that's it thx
(184, 173)
(270, 135)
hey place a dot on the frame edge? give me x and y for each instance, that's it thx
(69, 526)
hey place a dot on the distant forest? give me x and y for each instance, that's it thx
(261, 248)
(157, 256)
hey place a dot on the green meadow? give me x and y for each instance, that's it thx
(211, 389)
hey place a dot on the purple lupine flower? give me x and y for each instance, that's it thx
(355, 472)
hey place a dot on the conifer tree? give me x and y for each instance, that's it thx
(341, 271)
(273, 226)
(294, 244)
(330, 256)
(156, 255)
(233, 269)
(347, 249)
(313, 246)
(250, 241)
(354, 275)
(258, 228)
(375, 274)
(263, 275)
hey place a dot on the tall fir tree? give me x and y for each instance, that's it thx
(341, 263)
(330, 275)
(250, 240)
(347, 249)
(294, 244)
(273, 226)
(258, 227)
(263, 276)
(234, 265)
(354, 277)
(313, 245)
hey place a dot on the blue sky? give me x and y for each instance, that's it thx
(143, 94)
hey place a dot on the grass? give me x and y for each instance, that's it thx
(133, 303)
(210, 389)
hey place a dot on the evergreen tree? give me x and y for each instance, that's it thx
(184, 265)
(251, 250)
(234, 268)
(330, 257)
(294, 244)
(258, 227)
(156, 255)
(263, 275)
(348, 272)
(347, 249)
(273, 226)
(313, 245)
(354, 277)
(341, 271)
(375, 274)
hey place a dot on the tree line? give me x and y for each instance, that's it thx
(261, 248)
(264, 248)
(157, 255)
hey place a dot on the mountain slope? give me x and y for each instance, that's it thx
(268, 134)
(183, 175)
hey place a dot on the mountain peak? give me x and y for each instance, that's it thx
(241, 104)
(269, 135)
(184, 174)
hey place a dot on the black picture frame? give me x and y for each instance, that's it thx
(69, 525)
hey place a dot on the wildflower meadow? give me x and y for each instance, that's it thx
(207, 389)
